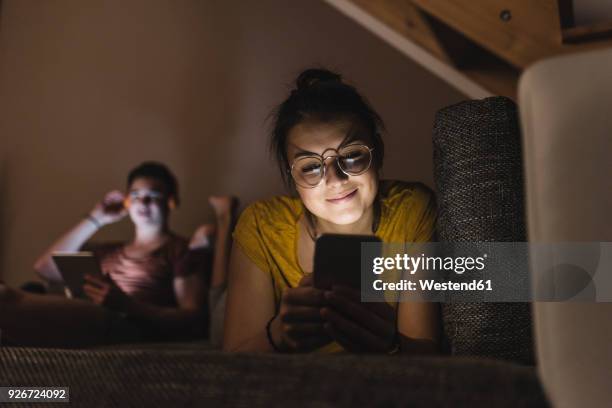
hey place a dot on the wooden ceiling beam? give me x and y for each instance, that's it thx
(521, 32)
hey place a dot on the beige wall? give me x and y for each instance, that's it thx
(91, 88)
(592, 11)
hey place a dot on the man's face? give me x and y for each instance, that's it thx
(148, 202)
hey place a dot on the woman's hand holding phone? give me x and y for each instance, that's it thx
(111, 209)
(357, 326)
(298, 326)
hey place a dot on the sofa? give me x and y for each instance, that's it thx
(489, 353)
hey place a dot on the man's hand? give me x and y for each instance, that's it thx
(299, 325)
(357, 326)
(105, 292)
(203, 237)
(110, 209)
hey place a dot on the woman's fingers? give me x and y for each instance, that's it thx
(360, 315)
(291, 314)
(311, 317)
(304, 336)
(307, 280)
(300, 317)
(382, 309)
(304, 296)
(351, 335)
(299, 330)
(345, 341)
(305, 344)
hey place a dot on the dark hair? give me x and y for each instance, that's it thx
(156, 171)
(321, 95)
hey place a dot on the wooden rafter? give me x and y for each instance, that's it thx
(489, 42)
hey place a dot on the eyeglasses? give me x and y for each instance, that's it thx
(146, 195)
(352, 160)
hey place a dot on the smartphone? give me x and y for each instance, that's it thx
(338, 260)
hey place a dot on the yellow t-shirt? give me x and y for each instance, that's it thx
(267, 230)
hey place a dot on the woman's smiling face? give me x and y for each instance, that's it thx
(339, 198)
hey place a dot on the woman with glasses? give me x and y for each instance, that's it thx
(327, 142)
(154, 287)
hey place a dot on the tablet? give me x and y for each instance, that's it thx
(337, 260)
(73, 266)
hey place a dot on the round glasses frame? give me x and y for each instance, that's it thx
(323, 159)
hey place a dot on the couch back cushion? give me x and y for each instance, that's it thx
(479, 179)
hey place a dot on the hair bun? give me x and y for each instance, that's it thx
(314, 76)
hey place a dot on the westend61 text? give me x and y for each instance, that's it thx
(432, 285)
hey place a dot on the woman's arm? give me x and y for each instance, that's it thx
(250, 305)
(74, 239)
(298, 325)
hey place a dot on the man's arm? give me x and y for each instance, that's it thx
(187, 319)
(74, 239)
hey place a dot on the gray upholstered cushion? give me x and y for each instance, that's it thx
(479, 179)
(191, 377)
